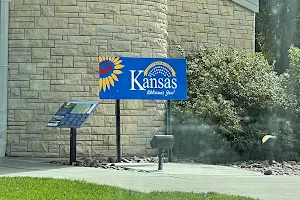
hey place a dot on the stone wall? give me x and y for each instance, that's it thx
(208, 22)
(53, 54)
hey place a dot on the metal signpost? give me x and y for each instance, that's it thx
(127, 78)
(72, 114)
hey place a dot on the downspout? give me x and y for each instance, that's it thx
(4, 14)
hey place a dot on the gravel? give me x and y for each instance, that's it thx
(108, 163)
(277, 168)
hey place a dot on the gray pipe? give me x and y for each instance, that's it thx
(4, 18)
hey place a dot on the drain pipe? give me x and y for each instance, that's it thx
(4, 14)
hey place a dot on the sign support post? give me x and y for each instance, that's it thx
(169, 128)
(118, 130)
(73, 134)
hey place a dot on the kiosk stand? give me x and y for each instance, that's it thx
(72, 114)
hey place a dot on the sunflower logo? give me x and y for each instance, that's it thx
(109, 69)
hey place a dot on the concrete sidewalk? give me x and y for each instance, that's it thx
(181, 177)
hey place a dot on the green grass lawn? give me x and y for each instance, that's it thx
(25, 188)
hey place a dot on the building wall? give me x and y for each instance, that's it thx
(194, 23)
(53, 54)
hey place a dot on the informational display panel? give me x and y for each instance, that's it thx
(72, 114)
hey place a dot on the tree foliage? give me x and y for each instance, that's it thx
(234, 99)
(277, 27)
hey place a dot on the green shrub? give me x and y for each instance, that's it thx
(234, 99)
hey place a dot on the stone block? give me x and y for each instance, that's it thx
(40, 128)
(35, 2)
(22, 154)
(87, 29)
(96, 21)
(196, 27)
(136, 105)
(62, 2)
(26, 13)
(128, 37)
(191, 7)
(51, 22)
(61, 32)
(50, 107)
(100, 151)
(40, 85)
(103, 130)
(23, 115)
(61, 71)
(88, 50)
(218, 22)
(138, 141)
(27, 68)
(110, 29)
(68, 61)
(16, 36)
(50, 73)
(13, 139)
(225, 10)
(103, 7)
(19, 148)
(119, 46)
(15, 93)
(86, 131)
(64, 51)
(75, 20)
(67, 88)
(64, 151)
(48, 43)
(54, 96)
(35, 106)
(29, 94)
(38, 146)
(16, 104)
(70, 9)
(73, 79)
(46, 154)
(129, 129)
(145, 121)
(134, 151)
(85, 151)
(18, 84)
(41, 53)
(47, 11)
(97, 121)
(106, 109)
(126, 20)
(79, 40)
(18, 77)
(25, 43)
(27, 7)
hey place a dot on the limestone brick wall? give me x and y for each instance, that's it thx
(53, 56)
(194, 23)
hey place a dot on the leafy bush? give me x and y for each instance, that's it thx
(234, 99)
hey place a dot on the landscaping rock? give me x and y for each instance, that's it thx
(277, 168)
(108, 163)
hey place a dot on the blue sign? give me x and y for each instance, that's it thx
(72, 114)
(142, 78)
